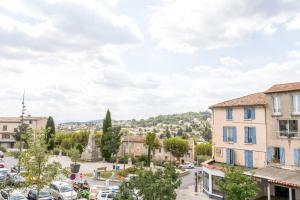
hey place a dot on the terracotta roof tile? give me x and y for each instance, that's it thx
(286, 87)
(249, 100)
(18, 119)
(131, 138)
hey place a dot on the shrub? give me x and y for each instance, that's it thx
(204, 149)
(79, 147)
(2, 148)
(202, 158)
(56, 151)
(74, 154)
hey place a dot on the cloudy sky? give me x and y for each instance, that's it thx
(75, 59)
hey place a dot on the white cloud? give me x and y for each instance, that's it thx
(188, 25)
(294, 24)
(230, 62)
(294, 54)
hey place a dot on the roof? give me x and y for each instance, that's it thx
(18, 119)
(286, 87)
(249, 100)
(131, 138)
(285, 177)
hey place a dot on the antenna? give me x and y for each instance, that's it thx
(21, 129)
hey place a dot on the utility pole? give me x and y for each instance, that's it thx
(22, 129)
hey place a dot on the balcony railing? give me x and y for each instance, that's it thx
(288, 134)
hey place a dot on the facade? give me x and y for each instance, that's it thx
(9, 126)
(135, 146)
(261, 133)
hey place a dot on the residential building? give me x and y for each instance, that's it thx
(261, 133)
(9, 126)
(135, 146)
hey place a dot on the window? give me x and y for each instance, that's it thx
(206, 181)
(296, 104)
(288, 128)
(218, 151)
(276, 105)
(250, 135)
(4, 128)
(230, 156)
(5, 136)
(276, 155)
(296, 157)
(215, 188)
(249, 113)
(229, 113)
(229, 134)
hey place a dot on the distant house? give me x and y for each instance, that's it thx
(9, 126)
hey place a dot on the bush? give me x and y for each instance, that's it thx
(105, 174)
(125, 172)
(79, 147)
(3, 149)
(204, 149)
(202, 158)
(56, 151)
(14, 154)
(74, 154)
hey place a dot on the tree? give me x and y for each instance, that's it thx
(74, 155)
(50, 133)
(236, 185)
(180, 132)
(110, 142)
(38, 171)
(205, 131)
(151, 185)
(107, 122)
(153, 143)
(22, 134)
(176, 146)
(168, 134)
(203, 149)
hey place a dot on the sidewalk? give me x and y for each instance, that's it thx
(190, 194)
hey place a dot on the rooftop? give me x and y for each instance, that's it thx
(18, 119)
(286, 87)
(249, 100)
(133, 138)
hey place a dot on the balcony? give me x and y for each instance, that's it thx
(288, 134)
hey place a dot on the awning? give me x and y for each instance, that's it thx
(284, 177)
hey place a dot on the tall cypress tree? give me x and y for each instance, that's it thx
(107, 122)
(50, 133)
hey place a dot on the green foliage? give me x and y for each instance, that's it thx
(107, 122)
(204, 149)
(205, 131)
(106, 174)
(153, 143)
(79, 147)
(66, 141)
(201, 158)
(176, 146)
(23, 134)
(167, 133)
(130, 170)
(38, 171)
(3, 149)
(50, 133)
(110, 142)
(74, 155)
(237, 186)
(151, 185)
(171, 119)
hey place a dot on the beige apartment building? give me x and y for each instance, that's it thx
(259, 132)
(135, 146)
(9, 126)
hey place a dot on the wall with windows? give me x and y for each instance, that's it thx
(241, 131)
(283, 129)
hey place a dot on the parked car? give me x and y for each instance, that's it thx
(105, 195)
(14, 195)
(62, 191)
(2, 163)
(187, 165)
(3, 175)
(15, 179)
(44, 194)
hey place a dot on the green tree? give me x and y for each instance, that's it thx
(107, 122)
(50, 133)
(38, 171)
(205, 131)
(153, 143)
(74, 155)
(151, 185)
(110, 142)
(168, 134)
(236, 185)
(203, 149)
(176, 146)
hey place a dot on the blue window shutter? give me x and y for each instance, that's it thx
(253, 134)
(234, 134)
(282, 156)
(224, 134)
(228, 156)
(269, 154)
(250, 159)
(253, 113)
(246, 158)
(296, 157)
(232, 156)
(229, 113)
(246, 135)
(245, 113)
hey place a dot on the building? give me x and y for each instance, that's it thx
(261, 133)
(135, 146)
(9, 126)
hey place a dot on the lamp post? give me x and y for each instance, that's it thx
(196, 182)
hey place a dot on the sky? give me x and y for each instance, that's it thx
(76, 58)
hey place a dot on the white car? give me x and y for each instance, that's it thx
(14, 195)
(62, 191)
(105, 195)
(187, 166)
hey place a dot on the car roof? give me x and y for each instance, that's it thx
(3, 169)
(60, 183)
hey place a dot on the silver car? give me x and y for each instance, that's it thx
(62, 191)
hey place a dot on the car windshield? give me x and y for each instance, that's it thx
(44, 193)
(17, 197)
(65, 188)
(3, 172)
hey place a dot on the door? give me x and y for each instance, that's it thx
(282, 192)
